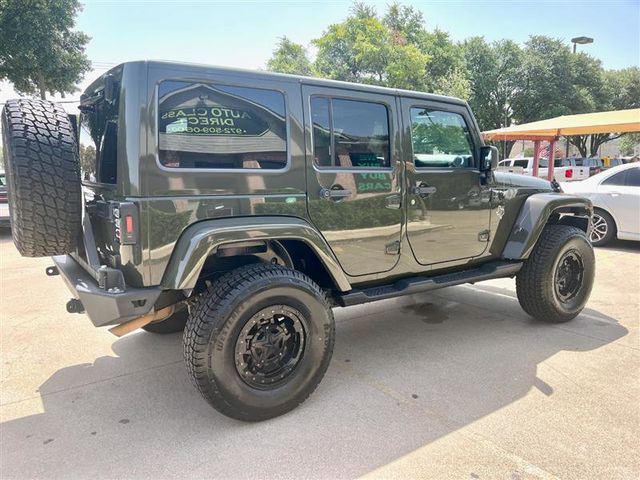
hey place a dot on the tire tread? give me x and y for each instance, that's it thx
(43, 173)
(210, 312)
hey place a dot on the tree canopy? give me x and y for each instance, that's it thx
(39, 50)
(289, 57)
(505, 83)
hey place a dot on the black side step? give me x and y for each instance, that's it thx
(408, 286)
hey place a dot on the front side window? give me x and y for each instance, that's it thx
(221, 127)
(350, 133)
(633, 177)
(626, 178)
(440, 139)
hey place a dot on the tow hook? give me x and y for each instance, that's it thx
(75, 306)
(52, 271)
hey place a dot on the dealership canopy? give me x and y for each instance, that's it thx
(618, 121)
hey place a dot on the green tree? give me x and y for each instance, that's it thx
(87, 160)
(395, 51)
(290, 57)
(548, 81)
(495, 73)
(630, 144)
(606, 90)
(39, 50)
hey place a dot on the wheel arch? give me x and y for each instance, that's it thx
(306, 248)
(540, 210)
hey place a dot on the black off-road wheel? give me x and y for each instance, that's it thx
(174, 324)
(555, 282)
(259, 341)
(43, 177)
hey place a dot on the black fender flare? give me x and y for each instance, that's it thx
(202, 239)
(537, 210)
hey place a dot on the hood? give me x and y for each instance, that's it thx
(525, 181)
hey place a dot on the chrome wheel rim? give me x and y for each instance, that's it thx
(599, 228)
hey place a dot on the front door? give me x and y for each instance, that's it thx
(353, 186)
(448, 206)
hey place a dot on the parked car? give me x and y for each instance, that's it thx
(595, 164)
(4, 204)
(615, 194)
(247, 205)
(561, 171)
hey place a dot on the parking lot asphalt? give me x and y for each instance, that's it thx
(456, 383)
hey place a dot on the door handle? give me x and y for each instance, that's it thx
(424, 190)
(328, 193)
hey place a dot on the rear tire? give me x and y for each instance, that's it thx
(555, 282)
(259, 341)
(43, 177)
(603, 228)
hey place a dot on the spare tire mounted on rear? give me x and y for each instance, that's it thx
(43, 177)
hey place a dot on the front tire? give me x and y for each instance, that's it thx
(259, 341)
(555, 282)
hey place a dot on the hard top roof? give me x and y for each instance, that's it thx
(209, 69)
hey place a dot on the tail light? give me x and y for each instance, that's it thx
(126, 222)
(569, 173)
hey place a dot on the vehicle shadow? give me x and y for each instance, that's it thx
(404, 373)
(627, 246)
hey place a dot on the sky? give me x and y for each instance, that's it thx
(244, 33)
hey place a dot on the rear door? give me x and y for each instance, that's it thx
(448, 206)
(353, 183)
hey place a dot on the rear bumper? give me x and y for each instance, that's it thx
(102, 306)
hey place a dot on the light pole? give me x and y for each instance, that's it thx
(576, 41)
(581, 41)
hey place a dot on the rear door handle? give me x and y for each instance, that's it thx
(328, 193)
(423, 190)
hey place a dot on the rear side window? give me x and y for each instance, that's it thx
(350, 133)
(617, 179)
(440, 139)
(520, 163)
(221, 127)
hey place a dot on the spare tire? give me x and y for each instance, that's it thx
(43, 177)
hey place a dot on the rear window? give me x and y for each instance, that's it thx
(99, 135)
(210, 126)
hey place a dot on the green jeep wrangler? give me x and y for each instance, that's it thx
(241, 207)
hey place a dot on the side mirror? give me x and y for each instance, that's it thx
(488, 158)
